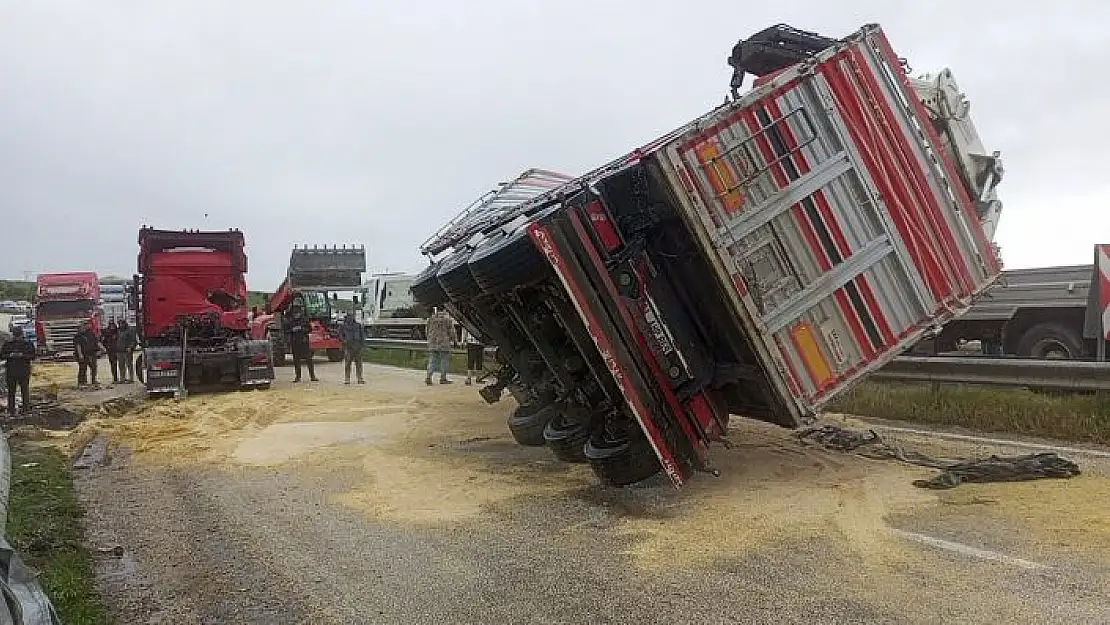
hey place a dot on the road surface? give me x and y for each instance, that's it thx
(400, 503)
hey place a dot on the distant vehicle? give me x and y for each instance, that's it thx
(114, 302)
(63, 302)
(27, 325)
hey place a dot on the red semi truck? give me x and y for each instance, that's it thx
(63, 301)
(756, 261)
(191, 301)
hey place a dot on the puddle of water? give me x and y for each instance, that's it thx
(281, 442)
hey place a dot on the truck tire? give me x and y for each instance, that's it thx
(621, 460)
(426, 289)
(454, 276)
(508, 262)
(335, 355)
(1050, 341)
(528, 422)
(567, 437)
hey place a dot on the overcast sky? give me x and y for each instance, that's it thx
(373, 122)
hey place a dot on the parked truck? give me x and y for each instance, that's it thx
(388, 308)
(114, 302)
(756, 261)
(191, 300)
(390, 311)
(1029, 313)
(64, 301)
(315, 276)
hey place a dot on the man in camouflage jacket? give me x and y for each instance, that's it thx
(440, 330)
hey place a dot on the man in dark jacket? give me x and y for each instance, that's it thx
(353, 336)
(86, 349)
(17, 354)
(297, 327)
(125, 351)
(109, 337)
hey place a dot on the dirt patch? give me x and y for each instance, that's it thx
(54, 375)
(772, 490)
(47, 414)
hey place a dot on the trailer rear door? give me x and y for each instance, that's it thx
(842, 228)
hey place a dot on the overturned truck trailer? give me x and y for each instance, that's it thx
(757, 261)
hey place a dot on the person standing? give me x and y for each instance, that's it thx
(127, 341)
(353, 336)
(440, 330)
(297, 328)
(86, 349)
(475, 352)
(109, 338)
(18, 353)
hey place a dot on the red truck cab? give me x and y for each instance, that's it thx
(64, 301)
(192, 312)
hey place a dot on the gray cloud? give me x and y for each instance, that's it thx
(303, 122)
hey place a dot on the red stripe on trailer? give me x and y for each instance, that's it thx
(541, 238)
(762, 80)
(824, 210)
(949, 167)
(903, 154)
(1102, 267)
(894, 195)
(661, 378)
(864, 285)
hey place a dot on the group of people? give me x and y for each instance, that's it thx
(297, 329)
(117, 341)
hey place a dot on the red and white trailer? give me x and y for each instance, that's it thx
(757, 261)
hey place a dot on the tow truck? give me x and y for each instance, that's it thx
(315, 276)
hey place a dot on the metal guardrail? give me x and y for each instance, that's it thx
(1064, 375)
(416, 345)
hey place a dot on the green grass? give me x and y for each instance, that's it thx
(44, 526)
(412, 359)
(1074, 417)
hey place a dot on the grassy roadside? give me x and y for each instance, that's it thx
(1073, 417)
(44, 526)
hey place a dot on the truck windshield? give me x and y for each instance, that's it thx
(317, 304)
(64, 308)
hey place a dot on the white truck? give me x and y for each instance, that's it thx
(114, 299)
(389, 310)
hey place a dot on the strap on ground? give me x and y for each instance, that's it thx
(953, 472)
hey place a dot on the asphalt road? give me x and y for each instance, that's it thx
(399, 503)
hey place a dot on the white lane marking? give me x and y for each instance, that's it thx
(994, 441)
(968, 550)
